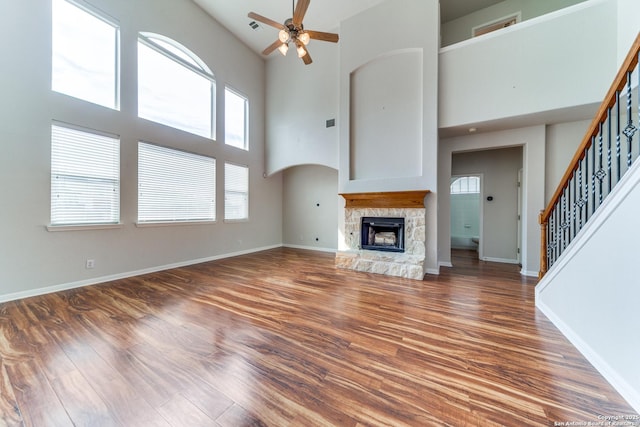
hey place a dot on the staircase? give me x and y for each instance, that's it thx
(590, 253)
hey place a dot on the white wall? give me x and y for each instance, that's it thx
(386, 117)
(362, 42)
(310, 202)
(499, 168)
(33, 259)
(460, 29)
(552, 62)
(532, 139)
(591, 294)
(628, 27)
(300, 99)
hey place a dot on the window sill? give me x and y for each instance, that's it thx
(231, 221)
(83, 227)
(172, 223)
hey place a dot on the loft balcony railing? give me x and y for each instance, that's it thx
(608, 150)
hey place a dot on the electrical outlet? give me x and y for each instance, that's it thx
(91, 263)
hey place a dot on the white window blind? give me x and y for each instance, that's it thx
(235, 119)
(85, 177)
(174, 185)
(236, 191)
(84, 54)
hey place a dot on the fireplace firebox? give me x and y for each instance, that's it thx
(382, 234)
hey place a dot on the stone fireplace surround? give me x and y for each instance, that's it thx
(405, 204)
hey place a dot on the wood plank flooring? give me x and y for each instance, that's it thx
(282, 338)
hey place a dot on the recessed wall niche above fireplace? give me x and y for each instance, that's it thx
(382, 234)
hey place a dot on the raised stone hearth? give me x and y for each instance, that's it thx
(408, 205)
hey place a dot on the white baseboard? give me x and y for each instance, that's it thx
(109, 278)
(310, 248)
(434, 271)
(631, 395)
(445, 264)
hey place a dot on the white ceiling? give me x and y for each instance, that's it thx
(322, 15)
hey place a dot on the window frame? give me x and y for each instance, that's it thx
(468, 178)
(196, 65)
(109, 20)
(172, 222)
(64, 226)
(226, 181)
(233, 91)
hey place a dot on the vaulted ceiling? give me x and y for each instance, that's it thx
(322, 15)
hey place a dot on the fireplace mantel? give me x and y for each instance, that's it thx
(387, 199)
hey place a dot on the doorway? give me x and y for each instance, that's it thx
(497, 195)
(466, 212)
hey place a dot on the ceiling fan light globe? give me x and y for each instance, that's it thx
(283, 36)
(301, 51)
(283, 49)
(304, 38)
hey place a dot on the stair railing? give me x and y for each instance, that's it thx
(605, 154)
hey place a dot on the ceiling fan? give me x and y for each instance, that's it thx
(292, 31)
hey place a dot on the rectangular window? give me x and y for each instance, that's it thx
(236, 191)
(175, 186)
(236, 113)
(84, 61)
(85, 177)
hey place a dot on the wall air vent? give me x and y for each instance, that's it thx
(254, 25)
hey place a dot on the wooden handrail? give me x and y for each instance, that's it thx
(628, 65)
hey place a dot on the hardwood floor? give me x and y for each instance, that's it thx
(282, 338)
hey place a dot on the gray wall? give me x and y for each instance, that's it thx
(563, 140)
(310, 207)
(33, 259)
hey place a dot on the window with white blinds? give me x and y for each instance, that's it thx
(85, 177)
(84, 54)
(236, 191)
(174, 185)
(236, 110)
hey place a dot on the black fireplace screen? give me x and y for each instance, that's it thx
(382, 234)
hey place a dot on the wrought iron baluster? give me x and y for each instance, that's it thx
(601, 172)
(593, 175)
(572, 192)
(630, 130)
(609, 149)
(586, 184)
(566, 220)
(579, 200)
(617, 136)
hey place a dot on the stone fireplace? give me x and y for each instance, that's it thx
(398, 223)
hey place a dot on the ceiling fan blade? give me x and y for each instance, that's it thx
(300, 10)
(264, 20)
(273, 46)
(307, 58)
(325, 37)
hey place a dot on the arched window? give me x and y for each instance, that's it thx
(466, 185)
(175, 87)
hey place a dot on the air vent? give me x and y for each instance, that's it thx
(331, 123)
(254, 25)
